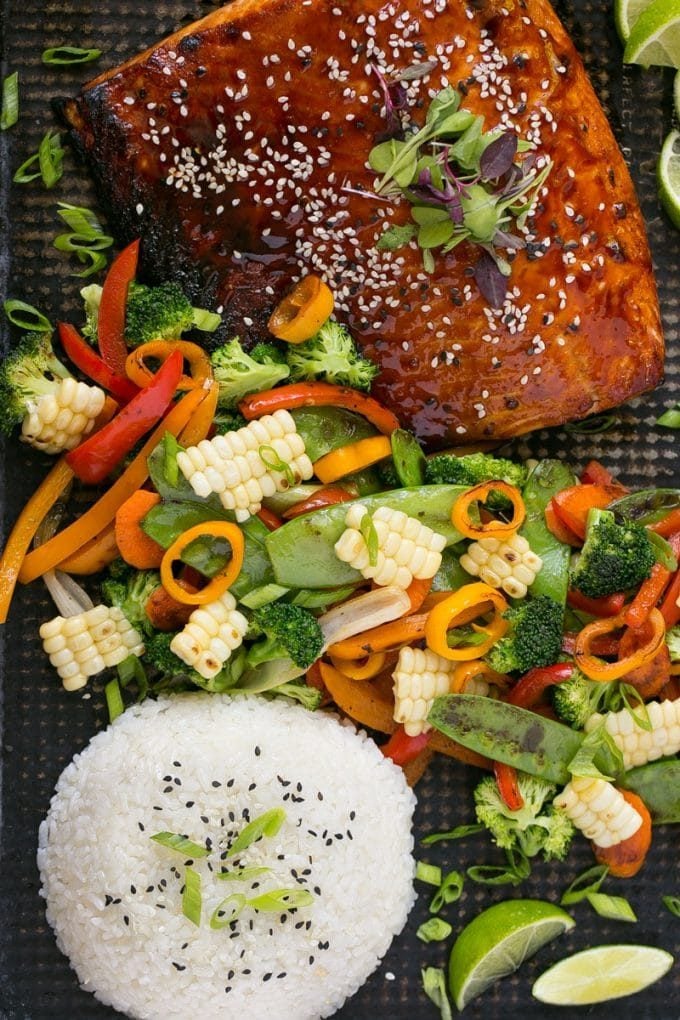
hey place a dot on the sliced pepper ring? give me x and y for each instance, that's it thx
(595, 668)
(345, 460)
(465, 605)
(218, 584)
(139, 372)
(358, 669)
(476, 670)
(460, 512)
(303, 311)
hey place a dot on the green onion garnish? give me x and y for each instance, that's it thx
(206, 321)
(460, 832)
(132, 669)
(268, 824)
(226, 912)
(597, 744)
(370, 537)
(182, 844)
(517, 869)
(114, 699)
(48, 160)
(586, 883)
(86, 238)
(26, 316)
(276, 900)
(242, 874)
(69, 55)
(429, 873)
(9, 114)
(191, 896)
(615, 908)
(670, 419)
(672, 903)
(434, 930)
(591, 426)
(275, 463)
(449, 891)
(434, 986)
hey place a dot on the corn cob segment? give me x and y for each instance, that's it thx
(59, 421)
(213, 632)
(599, 810)
(638, 745)
(420, 677)
(405, 547)
(509, 564)
(81, 646)
(245, 466)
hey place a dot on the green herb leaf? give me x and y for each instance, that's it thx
(615, 908)
(181, 844)
(429, 873)
(426, 215)
(434, 930)
(449, 891)
(267, 824)
(396, 160)
(597, 744)
(434, 986)
(241, 874)
(26, 316)
(192, 902)
(445, 103)
(672, 903)
(276, 900)
(9, 114)
(433, 235)
(396, 237)
(460, 832)
(69, 55)
(584, 884)
(114, 699)
(226, 912)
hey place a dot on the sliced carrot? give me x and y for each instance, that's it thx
(95, 555)
(626, 858)
(572, 505)
(648, 595)
(135, 546)
(597, 474)
(366, 702)
(561, 532)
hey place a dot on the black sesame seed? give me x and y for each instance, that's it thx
(108, 900)
(215, 783)
(258, 752)
(177, 764)
(167, 779)
(205, 819)
(230, 783)
(141, 827)
(133, 890)
(311, 960)
(126, 919)
(190, 803)
(178, 966)
(252, 787)
(267, 976)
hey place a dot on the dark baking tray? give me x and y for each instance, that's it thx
(42, 727)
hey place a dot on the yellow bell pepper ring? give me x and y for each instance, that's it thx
(217, 585)
(357, 669)
(303, 312)
(466, 604)
(353, 457)
(460, 512)
(139, 372)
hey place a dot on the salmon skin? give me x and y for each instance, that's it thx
(236, 150)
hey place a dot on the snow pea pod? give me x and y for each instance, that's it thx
(658, 784)
(302, 551)
(326, 428)
(409, 459)
(547, 478)
(646, 506)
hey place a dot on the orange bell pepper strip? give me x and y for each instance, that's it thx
(561, 532)
(650, 678)
(139, 372)
(319, 394)
(417, 591)
(320, 499)
(573, 504)
(668, 525)
(303, 311)
(595, 473)
(113, 306)
(94, 520)
(218, 584)
(647, 596)
(94, 556)
(200, 423)
(135, 546)
(361, 669)
(345, 460)
(364, 702)
(595, 668)
(460, 513)
(469, 602)
(380, 639)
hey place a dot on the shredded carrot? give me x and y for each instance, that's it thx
(95, 555)
(668, 525)
(135, 546)
(626, 858)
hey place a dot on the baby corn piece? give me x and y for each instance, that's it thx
(245, 466)
(404, 548)
(599, 810)
(419, 678)
(638, 745)
(58, 421)
(81, 646)
(509, 564)
(213, 632)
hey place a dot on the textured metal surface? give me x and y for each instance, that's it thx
(43, 727)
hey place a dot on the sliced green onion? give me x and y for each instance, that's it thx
(276, 900)
(672, 903)
(206, 321)
(275, 463)
(670, 419)
(584, 884)
(267, 824)
(69, 55)
(26, 316)
(226, 912)
(47, 162)
(517, 869)
(9, 114)
(182, 844)
(242, 874)
(615, 908)
(132, 669)
(370, 537)
(27, 172)
(449, 891)
(86, 239)
(591, 426)
(434, 986)
(114, 699)
(460, 832)
(191, 897)
(429, 873)
(434, 930)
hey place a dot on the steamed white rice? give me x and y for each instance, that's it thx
(193, 765)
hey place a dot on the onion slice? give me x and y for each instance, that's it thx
(362, 613)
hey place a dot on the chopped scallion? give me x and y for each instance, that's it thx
(182, 844)
(277, 900)
(460, 832)
(9, 113)
(132, 669)
(434, 930)
(672, 903)
(191, 896)
(226, 912)
(86, 238)
(206, 321)
(267, 824)
(429, 873)
(26, 316)
(449, 891)
(370, 537)
(434, 986)
(616, 908)
(114, 699)
(670, 419)
(47, 162)
(69, 55)
(587, 882)
(275, 463)
(241, 874)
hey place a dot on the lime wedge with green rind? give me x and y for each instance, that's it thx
(601, 974)
(668, 177)
(655, 37)
(626, 13)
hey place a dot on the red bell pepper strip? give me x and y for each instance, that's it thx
(561, 532)
(508, 785)
(111, 322)
(94, 459)
(319, 394)
(648, 594)
(402, 749)
(529, 688)
(89, 362)
(595, 473)
(670, 610)
(270, 520)
(604, 645)
(328, 496)
(573, 504)
(607, 605)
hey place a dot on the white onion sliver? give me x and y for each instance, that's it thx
(67, 595)
(362, 613)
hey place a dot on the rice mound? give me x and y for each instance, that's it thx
(202, 766)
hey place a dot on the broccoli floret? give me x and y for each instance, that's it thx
(162, 313)
(29, 372)
(92, 296)
(170, 667)
(268, 354)
(534, 637)
(576, 699)
(239, 374)
(537, 827)
(673, 642)
(615, 557)
(228, 421)
(331, 355)
(289, 632)
(473, 468)
(131, 595)
(387, 473)
(308, 696)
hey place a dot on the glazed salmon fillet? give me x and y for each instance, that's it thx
(237, 150)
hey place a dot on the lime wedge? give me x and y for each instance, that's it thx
(676, 95)
(497, 941)
(655, 36)
(626, 13)
(601, 974)
(668, 176)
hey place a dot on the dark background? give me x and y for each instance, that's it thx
(42, 726)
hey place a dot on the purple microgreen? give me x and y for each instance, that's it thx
(364, 193)
(417, 71)
(499, 156)
(447, 197)
(502, 239)
(491, 282)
